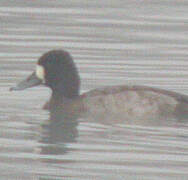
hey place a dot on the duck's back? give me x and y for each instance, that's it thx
(132, 102)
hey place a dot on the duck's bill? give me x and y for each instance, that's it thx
(31, 81)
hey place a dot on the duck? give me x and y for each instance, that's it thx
(56, 70)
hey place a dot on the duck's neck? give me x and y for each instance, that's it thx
(57, 100)
(67, 105)
(67, 90)
(61, 97)
(64, 91)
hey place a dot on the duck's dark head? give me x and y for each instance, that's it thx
(56, 70)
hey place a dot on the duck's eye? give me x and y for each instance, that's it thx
(40, 72)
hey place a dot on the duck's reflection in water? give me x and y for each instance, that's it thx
(60, 130)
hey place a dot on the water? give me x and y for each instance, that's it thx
(112, 42)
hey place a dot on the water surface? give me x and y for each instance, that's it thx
(112, 42)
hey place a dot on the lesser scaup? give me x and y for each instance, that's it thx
(56, 70)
